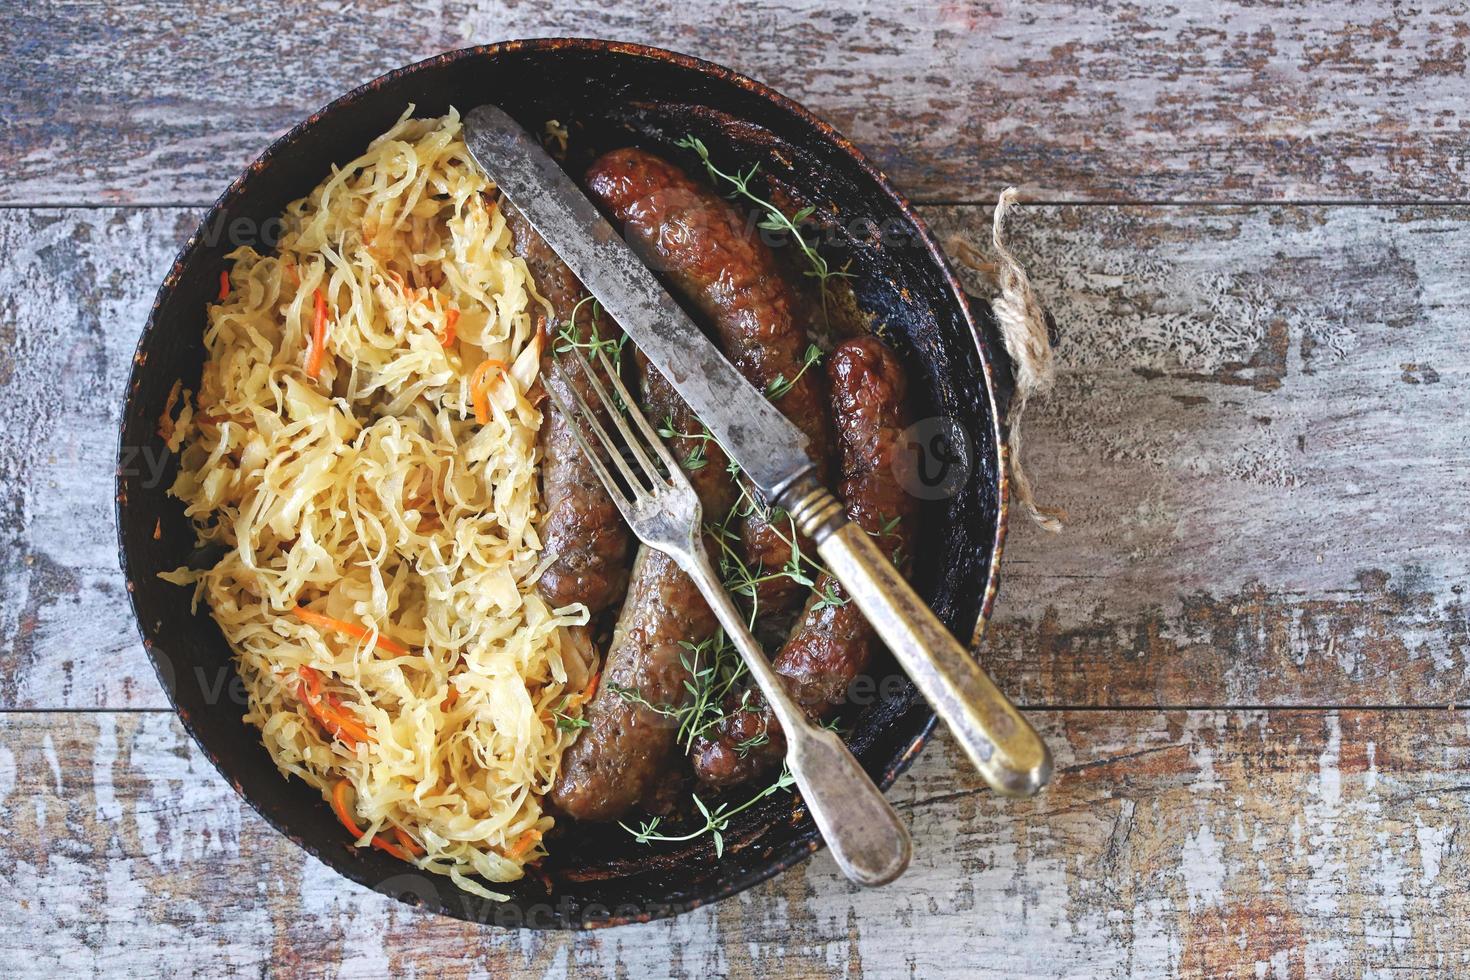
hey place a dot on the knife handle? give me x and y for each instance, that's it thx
(1007, 751)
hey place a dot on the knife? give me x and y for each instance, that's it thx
(1007, 751)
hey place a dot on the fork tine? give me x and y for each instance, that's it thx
(579, 433)
(676, 474)
(606, 440)
(618, 417)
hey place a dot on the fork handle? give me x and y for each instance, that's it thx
(866, 837)
(1009, 754)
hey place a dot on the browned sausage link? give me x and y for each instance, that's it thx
(832, 643)
(617, 761)
(765, 539)
(582, 526)
(714, 258)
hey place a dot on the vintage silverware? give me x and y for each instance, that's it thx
(1007, 751)
(865, 835)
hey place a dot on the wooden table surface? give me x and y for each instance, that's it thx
(1247, 648)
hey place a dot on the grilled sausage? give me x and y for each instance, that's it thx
(711, 256)
(832, 643)
(619, 759)
(582, 526)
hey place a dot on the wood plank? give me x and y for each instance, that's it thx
(76, 287)
(1279, 843)
(1260, 432)
(1197, 100)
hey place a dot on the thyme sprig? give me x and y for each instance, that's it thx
(737, 576)
(697, 457)
(831, 597)
(716, 821)
(774, 219)
(715, 671)
(569, 338)
(801, 567)
(566, 722)
(780, 386)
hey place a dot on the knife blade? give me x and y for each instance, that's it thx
(770, 449)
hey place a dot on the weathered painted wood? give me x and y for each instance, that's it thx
(1280, 843)
(75, 288)
(1199, 100)
(1260, 431)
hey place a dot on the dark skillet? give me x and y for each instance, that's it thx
(610, 94)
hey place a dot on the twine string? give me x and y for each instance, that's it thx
(1024, 329)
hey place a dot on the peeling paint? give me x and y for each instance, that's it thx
(1203, 869)
(1133, 863)
(1227, 100)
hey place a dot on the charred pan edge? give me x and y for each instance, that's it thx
(803, 846)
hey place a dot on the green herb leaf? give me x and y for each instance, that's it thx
(566, 723)
(773, 218)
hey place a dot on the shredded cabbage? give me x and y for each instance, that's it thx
(372, 495)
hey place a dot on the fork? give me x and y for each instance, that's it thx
(868, 840)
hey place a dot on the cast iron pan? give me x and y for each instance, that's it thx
(610, 94)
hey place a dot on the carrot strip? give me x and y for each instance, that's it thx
(392, 849)
(345, 722)
(315, 709)
(523, 843)
(585, 695)
(479, 381)
(351, 629)
(406, 848)
(407, 843)
(451, 317)
(318, 337)
(224, 285)
(339, 804)
(329, 712)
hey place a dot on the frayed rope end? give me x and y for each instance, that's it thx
(1023, 327)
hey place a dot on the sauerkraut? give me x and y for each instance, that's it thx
(363, 444)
